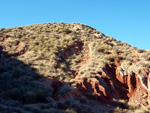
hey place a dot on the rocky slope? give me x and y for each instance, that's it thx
(70, 68)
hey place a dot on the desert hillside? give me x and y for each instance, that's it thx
(71, 68)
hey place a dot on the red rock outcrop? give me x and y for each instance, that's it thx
(117, 83)
(135, 87)
(131, 83)
(94, 87)
(122, 78)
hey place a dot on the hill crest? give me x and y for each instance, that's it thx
(93, 66)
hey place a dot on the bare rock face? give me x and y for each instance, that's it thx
(93, 86)
(133, 87)
(122, 77)
(131, 83)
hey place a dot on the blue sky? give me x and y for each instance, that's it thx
(125, 20)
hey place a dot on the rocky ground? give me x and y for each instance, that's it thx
(70, 68)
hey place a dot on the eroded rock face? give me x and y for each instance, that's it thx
(118, 82)
(131, 83)
(93, 86)
(122, 77)
(133, 87)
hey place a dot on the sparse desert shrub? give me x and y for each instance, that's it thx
(108, 58)
(63, 67)
(91, 95)
(100, 49)
(12, 42)
(75, 105)
(31, 108)
(2, 29)
(103, 48)
(40, 64)
(5, 96)
(45, 105)
(69, 111)
(120, 104)
(140, 50)
(61, 105)
(118, 57)
(67, 31)
(77, 29)
(13, 94)
(90, 30)
(119, 43)
(52, 110)
(34, 96)
(50, 54)
(146, 65)
(64, 89)
(133, 107)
